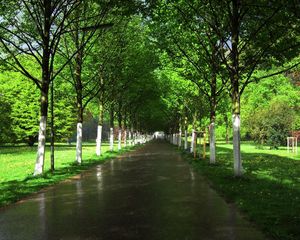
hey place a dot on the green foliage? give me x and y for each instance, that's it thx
(5, 119)
(64, 110)
(22, 97)
(272, 124)
(270, 110)
(128, 60)
(20, 110)
(223, 119)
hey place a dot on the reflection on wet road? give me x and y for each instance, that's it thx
(149, 194)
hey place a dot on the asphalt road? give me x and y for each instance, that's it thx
(151, 193)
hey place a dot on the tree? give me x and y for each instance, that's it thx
(81, 39)
(34, 29)
(250, 36)
(126, 73)
(193, 47)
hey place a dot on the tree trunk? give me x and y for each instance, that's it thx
(130, 138)
(185, 140)
(52, 128)
(185, 134)
(192, 142)
(212, 143)
(99, 130)
(227, 129)
(213, 106)
(125, 137)
(125, 129)
(119, 138)
(195, 144)
(120, 127)
(131, 133)
(236, 135)
(39, 165)
(100, 121)
(235, 89)
(99, 140)
(212, 134)
(204, 145)
(111, 138)
(179, 138)
(79, 133)
(79, 87)
(79, 143)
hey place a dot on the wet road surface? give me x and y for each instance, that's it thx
(147, 194)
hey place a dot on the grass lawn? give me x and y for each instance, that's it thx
(17, 165)
(269, 191)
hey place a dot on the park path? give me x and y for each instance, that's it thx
(151, 193)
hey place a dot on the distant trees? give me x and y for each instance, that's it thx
(20, 109)
(270, 110)
(5, 119)
(272, 124)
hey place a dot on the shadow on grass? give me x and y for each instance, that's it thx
(13, 191)
(269, 191)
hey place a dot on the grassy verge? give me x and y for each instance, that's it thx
(17, 165)
(269, 191)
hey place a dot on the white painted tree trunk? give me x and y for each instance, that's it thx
(133, 139)
(99, 140)
(111, 139)
(212, 143)
(125, 138)
(40, 159)
(79, 143)
(119, 139)
(179, 138)
(130, 138)
(192, 142)
(136, 135)
(185, 140)
(237, 145)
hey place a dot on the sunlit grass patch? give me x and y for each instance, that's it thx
(17, 165)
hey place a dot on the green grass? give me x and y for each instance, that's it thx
(269, 191)
(17, 165)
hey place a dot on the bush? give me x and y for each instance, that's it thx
(272, 124)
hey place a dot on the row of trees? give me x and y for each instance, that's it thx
(142, 66)
(78, 53)
(221, 46)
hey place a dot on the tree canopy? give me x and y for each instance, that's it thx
(145, 66)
